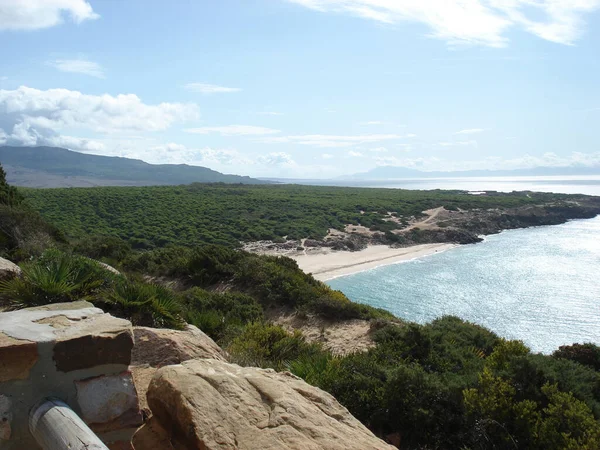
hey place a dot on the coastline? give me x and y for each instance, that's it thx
(328, 265)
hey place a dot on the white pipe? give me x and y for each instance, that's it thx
(56, 427)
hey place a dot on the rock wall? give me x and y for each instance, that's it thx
(74, 352)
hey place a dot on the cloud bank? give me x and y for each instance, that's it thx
(34, 117)
(480, 22)
(37, 14)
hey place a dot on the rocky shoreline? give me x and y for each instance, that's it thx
(436, 226)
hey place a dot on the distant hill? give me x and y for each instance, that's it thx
(391, 172)
(45, 167)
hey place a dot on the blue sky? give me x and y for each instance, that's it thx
(306, 88)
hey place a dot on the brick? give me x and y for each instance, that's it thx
(93, 350)
(109, 400)
(17, 357)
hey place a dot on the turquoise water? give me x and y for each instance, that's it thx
(540, 285)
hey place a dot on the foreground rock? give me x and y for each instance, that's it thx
(156, 348)
(210, 404)
(73, 352)
(161, 347)
(8, 269)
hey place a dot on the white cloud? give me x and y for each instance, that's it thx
(482, 22)
(327, 156)
(35, 117)
(36, 14)
(277, 159)
(82, 66)
(332, 141)
(72, 143)
(471, 131)
(355, 154)
(207, 89)
(173, 153)
(234, 130)
(378, 150)
(373, 122)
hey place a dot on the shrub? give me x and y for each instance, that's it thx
(265, 345)
(144, 304)
(54, 278)
(98, 247)
(220, 315)
(587, 354)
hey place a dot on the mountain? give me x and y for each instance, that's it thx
(59, 167)
(391, 172)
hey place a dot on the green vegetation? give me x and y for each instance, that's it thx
(448, 384)
(444, 385)
(197, 214)
(23, 232)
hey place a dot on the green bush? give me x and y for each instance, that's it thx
(265, 345)
(144, 304)
(111, 248)
(54, 278)
(587, 354)
(220, 315)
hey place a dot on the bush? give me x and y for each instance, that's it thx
(586, 354)
(55, 277)
(103, 247)
(220, 316)
(265, 345)
(144, 304)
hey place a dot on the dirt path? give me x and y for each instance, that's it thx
(426, 223)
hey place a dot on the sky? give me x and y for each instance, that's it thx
(306, 88)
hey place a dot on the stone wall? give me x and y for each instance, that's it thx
(73, 352)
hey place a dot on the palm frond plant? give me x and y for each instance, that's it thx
(54, 278)
(144, 304)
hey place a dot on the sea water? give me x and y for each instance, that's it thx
(540, 285)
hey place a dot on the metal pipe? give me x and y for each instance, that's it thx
(56, 427)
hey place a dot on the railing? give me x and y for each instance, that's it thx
(56, 427)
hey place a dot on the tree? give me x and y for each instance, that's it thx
(8, 194)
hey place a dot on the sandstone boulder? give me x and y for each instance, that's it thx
(210, 404)
(161, 347)
(8, 269)
(155, 348)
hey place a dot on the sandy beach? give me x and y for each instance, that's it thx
(329, 264)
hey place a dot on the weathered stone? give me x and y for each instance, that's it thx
(106, 398)
(5, 418)
(90, 351)
(209, 405)
(68, 337)
(8, 269)
(152, 436)
(85, 336)
(17, 357)
(160, 347)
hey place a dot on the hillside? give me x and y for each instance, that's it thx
(159, 216)
(51, 167)
(447, 384)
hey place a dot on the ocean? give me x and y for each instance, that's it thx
(540, 285)
(560, 184)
